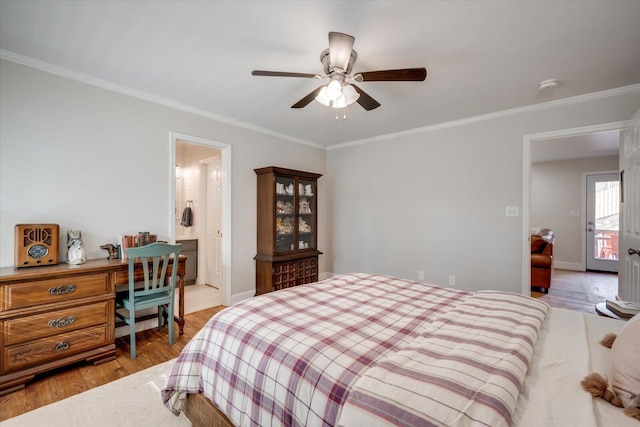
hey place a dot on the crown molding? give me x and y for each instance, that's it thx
(94, 81)
(114, 87)
(497, 115)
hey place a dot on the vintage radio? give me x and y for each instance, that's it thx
(36, 244)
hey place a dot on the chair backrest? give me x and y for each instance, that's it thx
(158, 257)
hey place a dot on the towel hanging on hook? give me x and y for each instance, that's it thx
(187, 215)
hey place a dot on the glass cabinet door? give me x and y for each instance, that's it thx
(306, 214)
(285, 229)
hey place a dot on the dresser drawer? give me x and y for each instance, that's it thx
(54, 322)
(56, 347)
(18, 295)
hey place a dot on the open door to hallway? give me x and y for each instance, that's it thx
(629, 287)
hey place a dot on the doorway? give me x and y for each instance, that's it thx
(190, 156)
(574, 217)
(603, 212)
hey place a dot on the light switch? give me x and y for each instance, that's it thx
(512, 211)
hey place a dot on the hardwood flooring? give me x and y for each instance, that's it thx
(580, 291)
(152, 348)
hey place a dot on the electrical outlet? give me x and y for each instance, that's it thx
(452, 280)
(420, 275)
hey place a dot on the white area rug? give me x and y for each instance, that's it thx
(130, 401)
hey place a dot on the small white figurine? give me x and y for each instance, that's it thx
(75, 253)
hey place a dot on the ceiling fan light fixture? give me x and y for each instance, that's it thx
(334, 90)
(323, 98)
(347, 95)
(350, 94)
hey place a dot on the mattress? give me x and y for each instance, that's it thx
(568, 349)
(354, 350)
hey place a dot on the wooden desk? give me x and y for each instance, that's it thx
(53, 316)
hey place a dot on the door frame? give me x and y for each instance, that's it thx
(527, 140)
(225, 154)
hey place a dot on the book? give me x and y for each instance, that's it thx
(626, 309)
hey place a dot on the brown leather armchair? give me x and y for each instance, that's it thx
(542, 260)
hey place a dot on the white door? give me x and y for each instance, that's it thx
(603, 208)
(213, 274)
(629, 280)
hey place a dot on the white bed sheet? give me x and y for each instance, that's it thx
(568, 349)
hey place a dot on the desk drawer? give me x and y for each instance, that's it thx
(46, 324)
(17, 295)
(57, 347)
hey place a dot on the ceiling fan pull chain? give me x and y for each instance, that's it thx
(344, 113)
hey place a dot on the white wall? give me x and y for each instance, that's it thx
(97, 160)
(88, 158)
(556, 191)
(434, 201)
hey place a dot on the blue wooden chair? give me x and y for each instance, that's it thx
(158, 289)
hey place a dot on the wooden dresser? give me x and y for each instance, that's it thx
(57, 315)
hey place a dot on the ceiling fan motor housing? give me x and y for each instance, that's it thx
(326, 62)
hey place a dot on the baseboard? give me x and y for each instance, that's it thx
(574, 266)
(326, 275)
(143, 325)
(236, 298)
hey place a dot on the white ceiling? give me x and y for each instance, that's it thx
(481, 56)
(574, 147)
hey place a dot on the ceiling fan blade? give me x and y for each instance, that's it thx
(404, 75)
(282, 74)
(367, 102)
(340, 46)
(307, 99)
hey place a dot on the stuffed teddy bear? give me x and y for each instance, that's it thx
(305, 208)
(625, 370)
(303, 227)
(287, 225)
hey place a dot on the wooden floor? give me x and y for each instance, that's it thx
(152, 348)
(569, 289)
(580, 291)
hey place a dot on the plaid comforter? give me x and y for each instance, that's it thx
(311, 355)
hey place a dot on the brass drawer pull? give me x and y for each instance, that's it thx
(62, 322)
(62, 346)
(62, 290)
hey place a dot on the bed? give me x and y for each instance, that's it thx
(372, 350)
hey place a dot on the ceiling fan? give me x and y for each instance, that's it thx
(337, 62)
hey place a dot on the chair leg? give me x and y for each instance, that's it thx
(170, 321)
(160, 316)
(132, 335)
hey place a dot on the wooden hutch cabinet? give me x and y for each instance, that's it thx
(287, 229)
